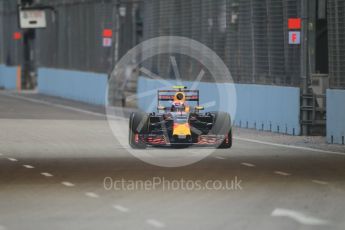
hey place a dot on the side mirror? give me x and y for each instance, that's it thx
(199, 108)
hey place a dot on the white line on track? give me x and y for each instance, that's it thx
(282, 173)
(67, 184)
(46, 174)
(320, 182)
(247, 164)
(91, 194)
(120, 208)
(28, 166)
(288, 146)
(12, 159)
(297, 216)
(63, 106)
(220, 158)
(54, 104)
(155, 223)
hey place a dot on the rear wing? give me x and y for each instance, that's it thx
(168, 95)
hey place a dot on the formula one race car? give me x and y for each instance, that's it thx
(177, 123)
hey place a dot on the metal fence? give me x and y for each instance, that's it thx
(73, 37)
(336, 43)
(251, 36)
(10, 49)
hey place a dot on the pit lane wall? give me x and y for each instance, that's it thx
(8, 77)
(335, 116)
(261, 107)
(75, 85)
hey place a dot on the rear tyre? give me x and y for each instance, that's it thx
(137, 126)
(222, 126)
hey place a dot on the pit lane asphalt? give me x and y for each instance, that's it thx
(54, 161)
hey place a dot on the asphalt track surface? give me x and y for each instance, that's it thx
(54, 161)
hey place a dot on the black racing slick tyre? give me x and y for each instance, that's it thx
(137, 126)
(227, 142)
(222, 126)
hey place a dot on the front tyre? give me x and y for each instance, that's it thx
(227, 142)
(222, 126)
(137, 126)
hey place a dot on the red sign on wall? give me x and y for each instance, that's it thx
(107, 33)
(17, 35)
(294, 37)
(107, 42)
(294, 23)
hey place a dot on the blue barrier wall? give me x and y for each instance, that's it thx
(269, 108)
(335, 116)
(8, 76)
(81, 86)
